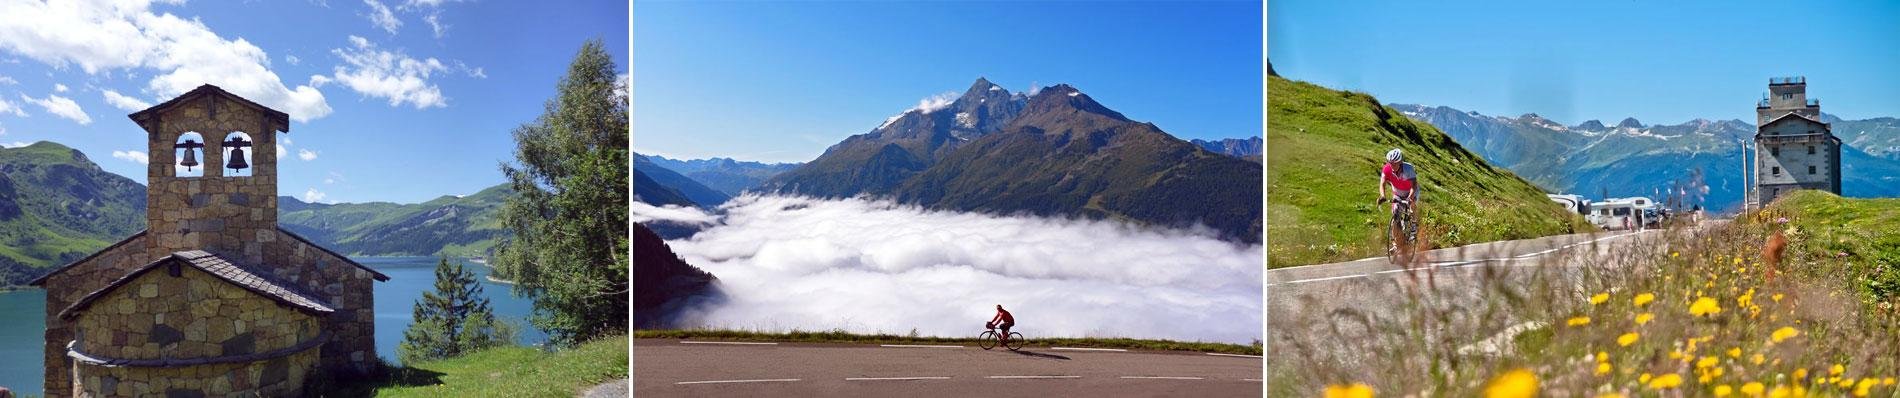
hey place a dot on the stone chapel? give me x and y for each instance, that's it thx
(213, 298)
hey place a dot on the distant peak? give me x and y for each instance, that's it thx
(1630, 122)
(982, 85)
(1591, 125)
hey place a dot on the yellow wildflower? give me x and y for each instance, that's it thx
(1644, 318)
(1836, 370)
(1845, 383)
(1800, 373)
(1355, 390)
(1723, 390)
(1865, 386)
(1627, 338)
(1783, 333)
(1671, 380)
(1603, 368)
(1704, 306)
(1777, 297)
(1757, 359)
(1752, 389)
(1520, 383)
(1579, 321)
(1644, 379)
(1599, 298)
(1735, 352)
(1610, 395)
(1886, 381)
(1707, 361)
(1644, 298)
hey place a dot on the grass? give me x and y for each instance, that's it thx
(504, 372)
(1326, 147)
(839, 336)
(1814, 327)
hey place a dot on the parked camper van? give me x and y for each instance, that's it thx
(1623, 213)
(1574, 203)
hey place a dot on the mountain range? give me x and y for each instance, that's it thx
(725, 175)
(1249, 148)
(1631, 158)
(57, 206)
(1056, 152)
(661, 184)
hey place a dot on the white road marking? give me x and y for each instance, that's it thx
(725, 342)
(1035, 377)
(736, 381)
(1163, 377)
(896, 378)
(1233, 355)
(919, 346)
(1088, 349)
(1453, 263)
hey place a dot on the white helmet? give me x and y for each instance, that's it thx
(1394, 155)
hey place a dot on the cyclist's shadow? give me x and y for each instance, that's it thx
(1034, 354)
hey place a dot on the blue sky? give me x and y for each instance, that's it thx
(1661, 62)
(391, 100)
(782, 81)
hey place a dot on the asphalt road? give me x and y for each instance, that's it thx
(677, 368)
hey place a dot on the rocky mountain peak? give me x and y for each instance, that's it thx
(1592, 125)
(1630, 122)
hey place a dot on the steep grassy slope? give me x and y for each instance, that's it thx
(1324, 149)
(56, 206)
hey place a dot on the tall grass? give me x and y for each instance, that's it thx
(1694, 314)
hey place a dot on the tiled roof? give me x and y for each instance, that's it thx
(281, 118)
(222, 269)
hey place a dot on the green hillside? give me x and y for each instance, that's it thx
(1324, 149)
(449, 225)
(56, 206)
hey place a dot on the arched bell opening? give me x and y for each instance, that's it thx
(237, 154)
(188, 156)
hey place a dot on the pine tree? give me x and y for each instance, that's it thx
(569, 214)
(452, 320)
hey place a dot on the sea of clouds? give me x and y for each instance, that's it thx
(872, 266)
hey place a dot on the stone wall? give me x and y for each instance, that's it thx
(192, 316)
(349, 290)
(68, 285)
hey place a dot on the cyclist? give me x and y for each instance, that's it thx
(1403, 179)
(1003, 320)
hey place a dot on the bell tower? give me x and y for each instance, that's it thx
(212, 178)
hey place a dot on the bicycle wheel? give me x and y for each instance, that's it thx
(987, 340)
(1015, 341)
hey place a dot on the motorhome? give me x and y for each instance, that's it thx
(1623, 213)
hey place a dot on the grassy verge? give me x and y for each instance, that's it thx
(839, 336)
(504, 372)
(1699, 315)
(1326, 149)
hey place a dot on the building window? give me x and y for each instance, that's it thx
(1774, 151)
(1810, 147)
(1810, 168)
(1777, 170)
(1787, 95)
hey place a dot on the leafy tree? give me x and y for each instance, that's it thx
(452, 320)
(569, 216)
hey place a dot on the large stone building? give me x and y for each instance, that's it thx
(213, 298)
(1793, 148)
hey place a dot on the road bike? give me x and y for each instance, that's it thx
(1400, 251)
(990, 339)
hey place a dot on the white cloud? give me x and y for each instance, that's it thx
(60, 106)
(281, 150)
(872, 266)
(59, 88)
(184, 53)
(306, 155)
(8, 80)
(313, 195)
(434, 19)
(124, 102)
(292, 59)
(333, 177)
(382, 17)
(926, 106)
(11, 107)
(385, 74)
(132, 156)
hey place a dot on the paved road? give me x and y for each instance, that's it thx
(676, 368)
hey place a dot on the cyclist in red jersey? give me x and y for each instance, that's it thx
(1003, 320)
(1403, 179)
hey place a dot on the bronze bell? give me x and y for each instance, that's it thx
(237, 160)
(191, 153)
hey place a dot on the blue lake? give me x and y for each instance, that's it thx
(23, 316)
